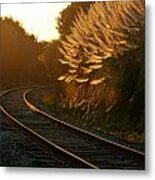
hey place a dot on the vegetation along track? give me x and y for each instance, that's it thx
(87, 148)
(100, 151)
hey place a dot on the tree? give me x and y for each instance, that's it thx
(67, 16)
(103, 51)
(19, 51)
(49, 58)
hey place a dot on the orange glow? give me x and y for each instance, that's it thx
(36, 18)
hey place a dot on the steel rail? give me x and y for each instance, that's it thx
(33, 108)
(40, 137)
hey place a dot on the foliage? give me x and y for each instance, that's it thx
(49, 59)
(103, 57)
(67, 16)
(19, 51)
(51, 55)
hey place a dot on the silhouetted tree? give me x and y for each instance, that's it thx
(49, 59)
(19, 52)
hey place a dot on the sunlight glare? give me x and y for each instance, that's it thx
(36, 18)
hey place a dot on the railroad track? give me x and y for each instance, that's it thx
(79, 145)
(19, 149)
(19, 117)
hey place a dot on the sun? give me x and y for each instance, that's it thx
(39, 19)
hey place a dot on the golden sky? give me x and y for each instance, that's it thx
(36, 18)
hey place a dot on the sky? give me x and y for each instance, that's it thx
(36, 18)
